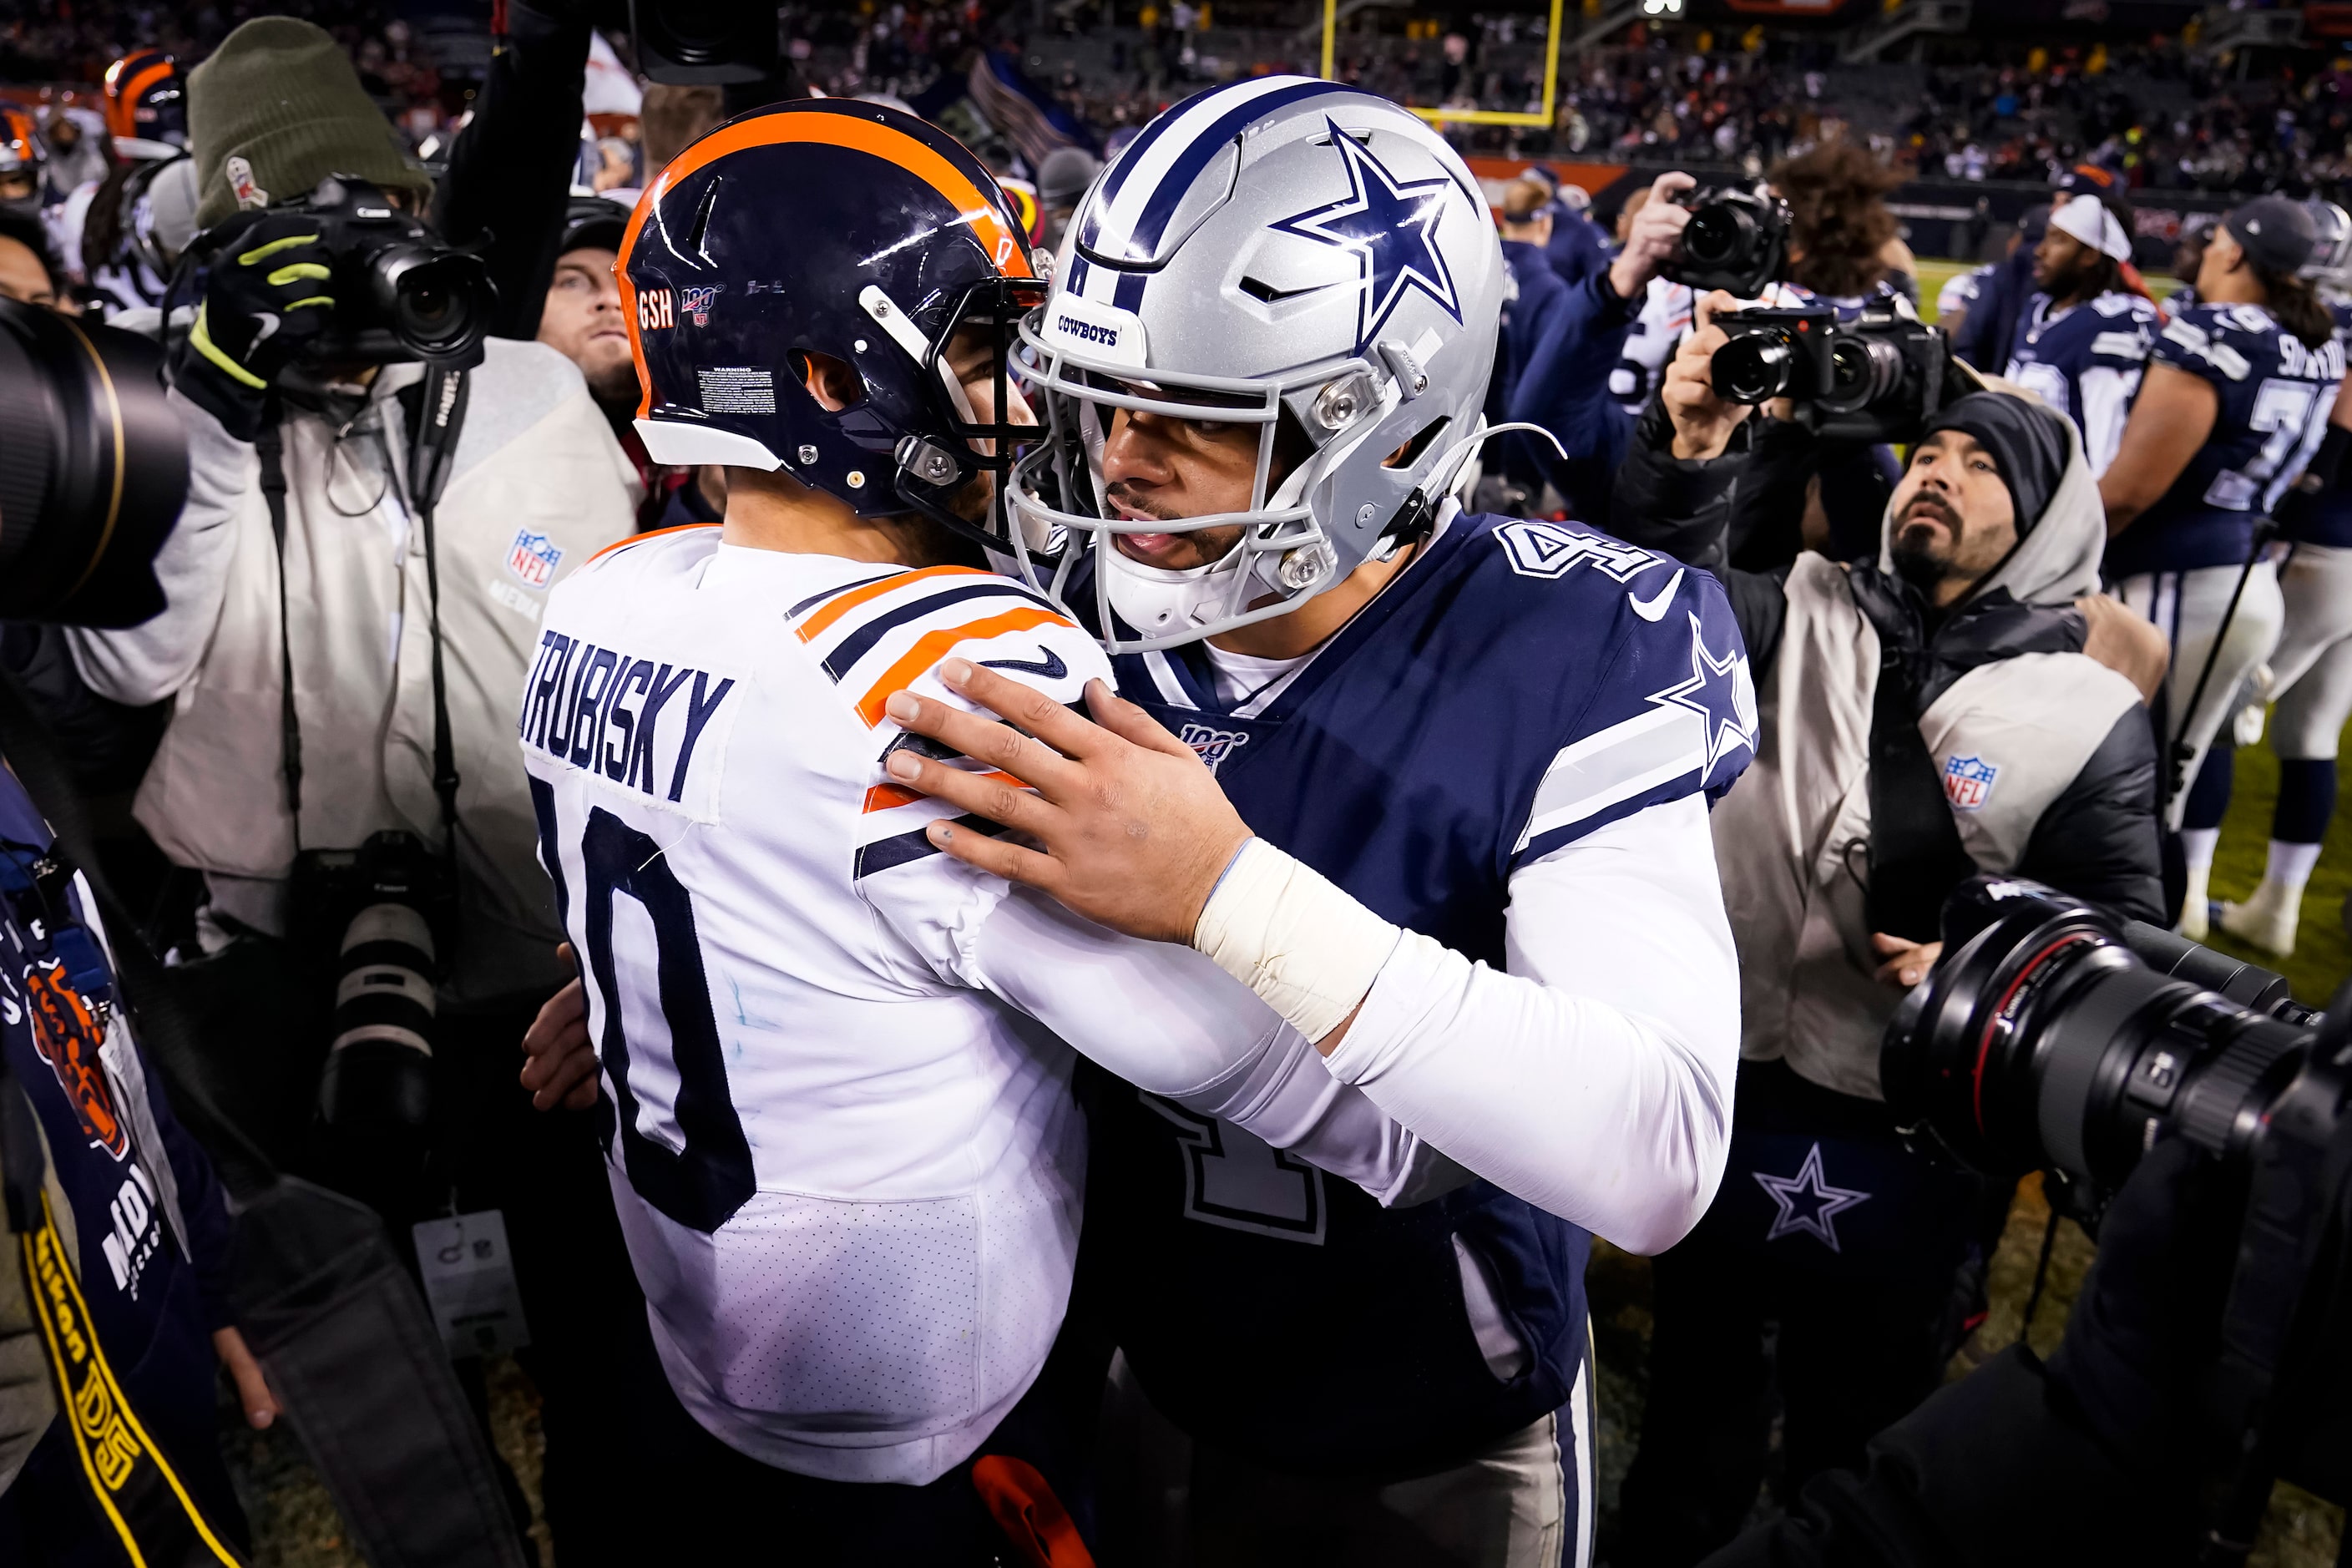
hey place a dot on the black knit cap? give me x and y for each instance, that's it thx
(2028, 443)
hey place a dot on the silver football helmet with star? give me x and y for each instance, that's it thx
(1277, 252)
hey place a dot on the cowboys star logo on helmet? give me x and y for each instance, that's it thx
(1387, 224)
(1282, 253)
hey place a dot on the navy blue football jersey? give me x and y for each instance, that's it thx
(2329, 519)
(2275, 395)
(2087, 362)
(1509, 693)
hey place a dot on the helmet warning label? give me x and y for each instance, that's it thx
(737, 389)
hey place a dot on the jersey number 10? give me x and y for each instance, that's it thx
(703, 1181)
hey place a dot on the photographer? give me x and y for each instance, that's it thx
(1844, 246)
(1562, 371)
(1924, 716)
(346, 657)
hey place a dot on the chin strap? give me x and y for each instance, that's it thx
(1414, 518)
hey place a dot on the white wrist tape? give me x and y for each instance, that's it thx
(1307, 949)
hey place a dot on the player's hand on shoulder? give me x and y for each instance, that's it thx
(1135, 831)
(559, 1065)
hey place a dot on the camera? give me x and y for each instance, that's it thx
(2053, 1036)
(1879, 377)
(380, 906)
(94, 469)
(1735, 240)
(400, 293)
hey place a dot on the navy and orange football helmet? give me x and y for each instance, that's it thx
(844, 229)
(144, 98)
(22, 162)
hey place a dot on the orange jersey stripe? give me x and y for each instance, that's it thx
(932, 646)
(833, 609)
(649, 534)
(887, 797)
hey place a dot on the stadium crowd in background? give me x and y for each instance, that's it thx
(1822, 667)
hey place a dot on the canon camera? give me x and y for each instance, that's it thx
(2054, 1036)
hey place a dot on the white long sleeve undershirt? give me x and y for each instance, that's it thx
(1594, 1080)
(1170, 1022)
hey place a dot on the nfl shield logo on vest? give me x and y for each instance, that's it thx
(533, 559)
(1214, 745)
(1968, 782)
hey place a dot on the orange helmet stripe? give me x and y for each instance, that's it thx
(1008, 249)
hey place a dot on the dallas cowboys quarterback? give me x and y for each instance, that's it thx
(836, 1089)
(1474, 756)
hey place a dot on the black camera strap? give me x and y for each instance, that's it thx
(434, 427)
(432, 448)
(270, 446)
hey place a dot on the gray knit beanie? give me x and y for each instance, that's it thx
(277, 109)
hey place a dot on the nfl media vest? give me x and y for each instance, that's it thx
(536, 486)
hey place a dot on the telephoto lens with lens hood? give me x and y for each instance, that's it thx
(378, 1084)
(2053, 1036)
(2045, 1038)
(93, 470)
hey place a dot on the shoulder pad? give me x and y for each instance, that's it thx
(879, 637)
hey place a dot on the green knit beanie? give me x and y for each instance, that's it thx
(277, 109)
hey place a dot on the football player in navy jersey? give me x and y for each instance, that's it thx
(2235, 402)
(2311, 669)
(1473, 757)
(2082, 344)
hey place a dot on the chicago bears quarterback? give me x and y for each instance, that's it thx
(840, 1131)
(1474, 757)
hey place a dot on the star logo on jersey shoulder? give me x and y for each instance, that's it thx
(1722, 693)
(1391, 225)
(1808, 1204)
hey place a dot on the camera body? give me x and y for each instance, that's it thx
(380, 915)
(1879, 377)
(400, 293)
(2053, 1036)
(1735, 240)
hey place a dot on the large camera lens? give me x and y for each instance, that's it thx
(2045, 1040)
(1863, 370)
(93, 469)
(437, 303)
(1755, 368)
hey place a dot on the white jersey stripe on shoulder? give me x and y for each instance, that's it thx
(1616, 765)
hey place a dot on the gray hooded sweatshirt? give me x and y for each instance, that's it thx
(2046, 758)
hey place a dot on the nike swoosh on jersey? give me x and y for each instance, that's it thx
(1655, 608)
(1050, 668)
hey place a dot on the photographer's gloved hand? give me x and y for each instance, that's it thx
(265, 301)
(2149, 1316)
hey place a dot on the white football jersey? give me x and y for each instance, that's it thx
(849, 1180)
